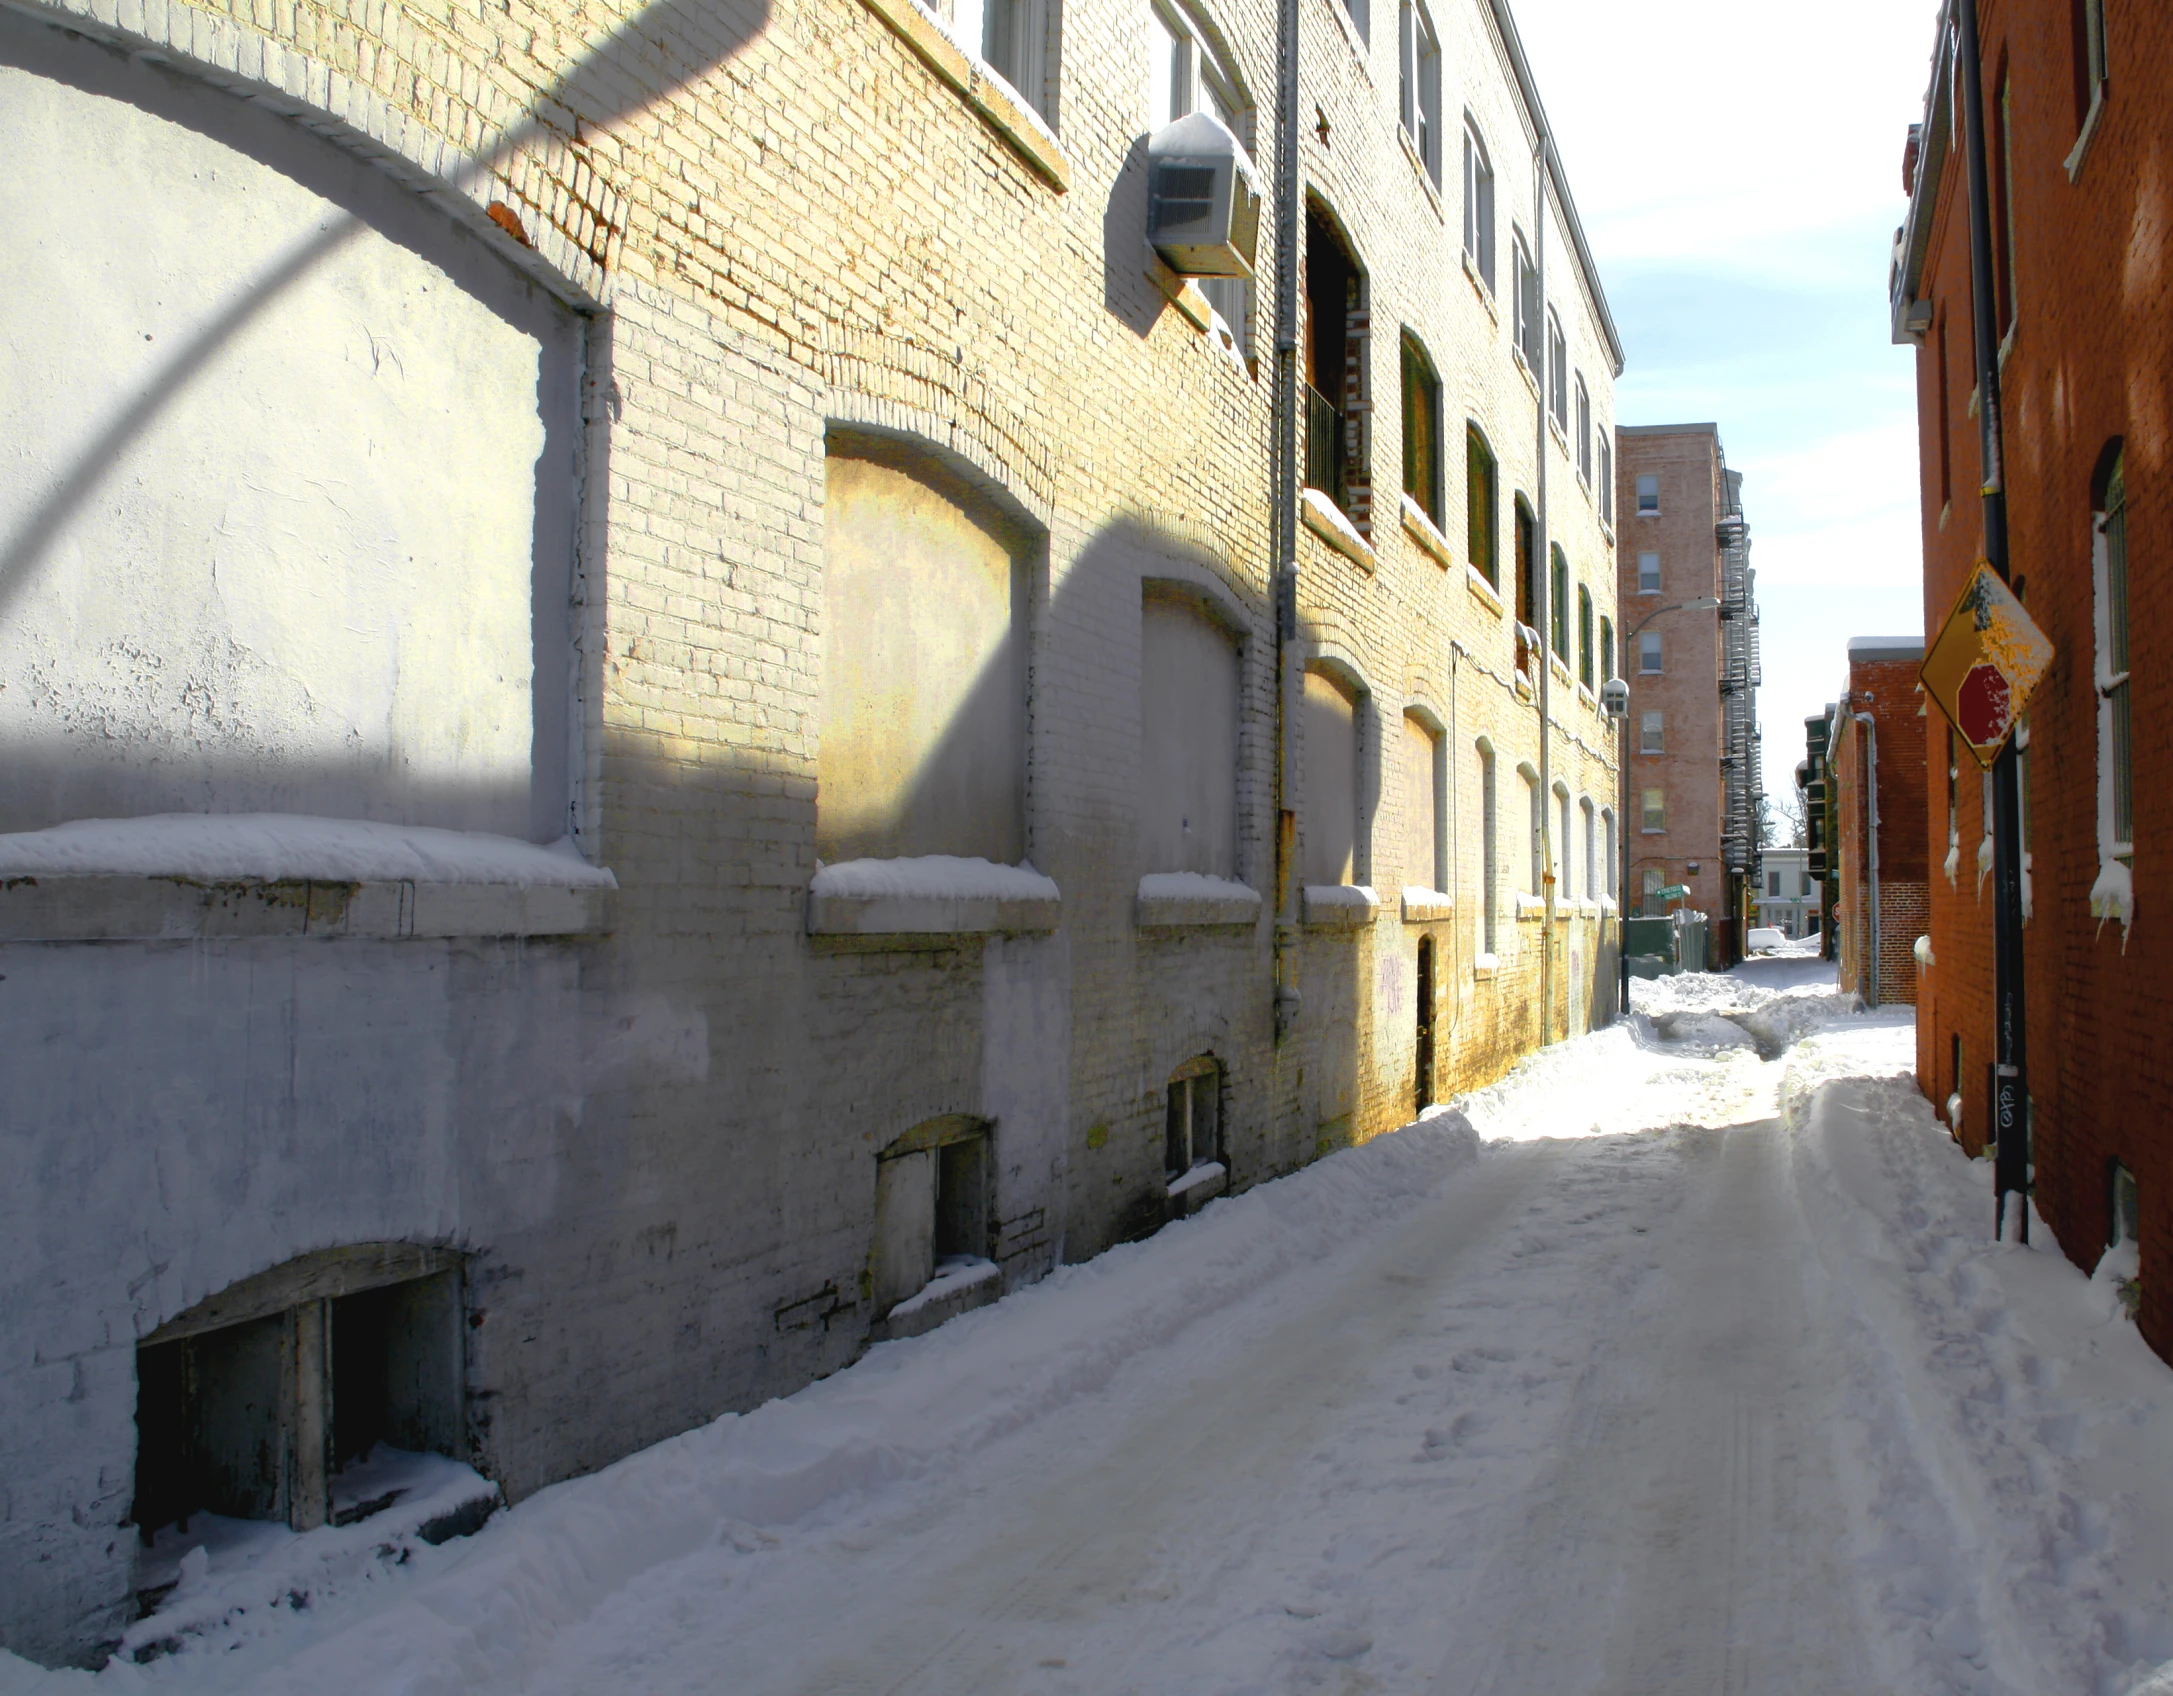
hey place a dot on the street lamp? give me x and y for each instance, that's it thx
(1616, 698)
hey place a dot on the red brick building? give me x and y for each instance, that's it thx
(2079, 128)
(1875, 763)
(1692, 736)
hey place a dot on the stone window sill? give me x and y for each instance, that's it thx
(1475, 581)
(1192, 901)
(1484, 966)
(996, 102)
(1426, 906)
(1484, 288)
(1425, 176)
(1340, 906)
(1426, 533)
(937, 895)
(204, 877)
(1184, 293)
(1332, 525)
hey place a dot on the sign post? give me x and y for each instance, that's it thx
(2010, 1073)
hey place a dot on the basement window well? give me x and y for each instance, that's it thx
(310, 1395)
(934, 1226)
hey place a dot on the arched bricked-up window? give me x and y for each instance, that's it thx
(1478, 204)
(1584, 636)
(1489, 851)
(1188, 736)
(923, 694)
(1527, 550)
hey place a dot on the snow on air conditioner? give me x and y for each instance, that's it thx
(1203, 200)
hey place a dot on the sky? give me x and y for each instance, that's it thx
(1737, 169)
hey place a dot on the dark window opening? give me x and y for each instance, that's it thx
(962, 1211)
(1558, 608)
(1421, 431)
(1425, 1093)
(1335, 372)
(1481, 500)
(1527, 545)
(1192, 1121)
(263, 1402)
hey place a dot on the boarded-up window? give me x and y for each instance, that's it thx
(1422, 855)
(923, 700)
(1188, 739)
(1331, 781)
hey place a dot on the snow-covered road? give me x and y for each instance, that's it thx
(1677, 1362)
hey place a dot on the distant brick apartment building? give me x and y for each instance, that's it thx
(2079, 127)
(1694, 764)
(1875, 766)
(688, 636)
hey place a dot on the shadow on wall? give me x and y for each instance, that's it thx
(675, 41)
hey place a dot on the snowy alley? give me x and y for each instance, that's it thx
(1679, 1361)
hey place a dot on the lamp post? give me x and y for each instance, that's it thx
(1618, 707)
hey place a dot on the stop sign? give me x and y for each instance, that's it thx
(1983, 705)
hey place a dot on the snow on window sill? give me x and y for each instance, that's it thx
(1426, 177)
(1177, 900)
(1193, 1190)
(1425, 906)
(1485, 289)
(1531, 907)
(205, 876)
(1329, 522)
(1484, 965)
(1427, 533)
(1953, 864)
(1341, 906)
(2112, 896)
(962, 1283)
(932, 895)
(1475, 581)
(999, 105)
(1923, 952)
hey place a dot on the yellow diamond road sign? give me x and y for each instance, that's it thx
(1986, 663)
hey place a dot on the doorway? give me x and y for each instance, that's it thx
(1425, 1023)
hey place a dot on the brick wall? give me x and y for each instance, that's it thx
(2092, 338)
(781, 217)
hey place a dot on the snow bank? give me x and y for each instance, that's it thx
(482, 1615)
(938, 876)
(2006, 1431)
(211, 847)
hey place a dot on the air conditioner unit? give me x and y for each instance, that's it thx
(1203, 202)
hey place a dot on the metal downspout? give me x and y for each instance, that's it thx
(1871, 794)
(1285, 522)
(1543, 586)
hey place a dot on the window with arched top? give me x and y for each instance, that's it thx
(1334, 837)
(1478, 204)
(1192, 1117)
(1482, 506)
(1489, 852)
(922, 700)
(1585, 656)
(1188, 736)
(1422, 477)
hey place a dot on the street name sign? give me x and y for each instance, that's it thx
(1987, 661)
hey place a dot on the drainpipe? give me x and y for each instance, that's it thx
(1871, 795)
(1285, 521)
(1543, 585)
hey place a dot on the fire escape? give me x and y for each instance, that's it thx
(1742, 772)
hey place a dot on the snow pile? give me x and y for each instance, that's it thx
(936, 877)
(237, 1577)
(1923, 952)
(2006, 1425)
(488, 1618)
(210, 847)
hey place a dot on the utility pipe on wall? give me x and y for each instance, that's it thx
(1871, 803)
(1543, 582)
(1285, 521)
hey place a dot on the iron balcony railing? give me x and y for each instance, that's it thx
(1324, 459)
